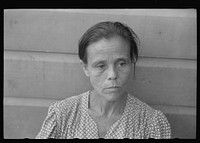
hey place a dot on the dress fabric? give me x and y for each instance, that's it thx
(69, 119)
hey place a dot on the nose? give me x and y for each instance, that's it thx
(112, 74)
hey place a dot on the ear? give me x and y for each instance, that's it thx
(134, 66)
(85, 68)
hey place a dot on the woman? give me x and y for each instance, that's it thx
(108, 52)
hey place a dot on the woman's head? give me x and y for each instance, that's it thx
(107, 52)
(107, 30)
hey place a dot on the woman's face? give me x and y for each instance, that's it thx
(109, 66)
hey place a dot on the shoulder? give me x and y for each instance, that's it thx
(157, 124)
(140, 106)
(145, 110)
(67, 104)
(58, 112)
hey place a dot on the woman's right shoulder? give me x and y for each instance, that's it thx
(63, 106)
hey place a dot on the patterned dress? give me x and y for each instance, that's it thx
(69, 119)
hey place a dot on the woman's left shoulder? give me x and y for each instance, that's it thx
(144, 108)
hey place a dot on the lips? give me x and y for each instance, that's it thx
(113, 87)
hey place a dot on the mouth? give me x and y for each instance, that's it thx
(114, 87)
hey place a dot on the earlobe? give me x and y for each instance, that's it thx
(86, 72)
(84, 66)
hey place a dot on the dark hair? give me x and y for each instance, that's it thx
(106, 30)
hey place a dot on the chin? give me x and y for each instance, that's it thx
(112, 96)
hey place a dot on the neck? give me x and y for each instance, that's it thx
(105, 108)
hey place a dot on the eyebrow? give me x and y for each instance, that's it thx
(104, 61)
(98, 61)
(122, 59)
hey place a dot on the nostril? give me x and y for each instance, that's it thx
(112, 77)
(112, 74)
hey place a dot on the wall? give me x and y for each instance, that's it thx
(41, 64)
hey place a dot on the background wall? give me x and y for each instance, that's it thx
(41, 64)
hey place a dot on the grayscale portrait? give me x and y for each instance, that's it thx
(100, 73)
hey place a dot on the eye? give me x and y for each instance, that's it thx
(122, 64)
(100, 66)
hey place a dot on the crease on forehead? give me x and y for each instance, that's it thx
(111, 55)
(106, 48)
(112, 42)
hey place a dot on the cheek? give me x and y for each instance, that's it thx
(97, 79)
(125, 75)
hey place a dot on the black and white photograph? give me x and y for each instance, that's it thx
(100, 73)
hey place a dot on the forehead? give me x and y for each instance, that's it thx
(115, 47)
